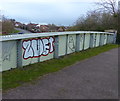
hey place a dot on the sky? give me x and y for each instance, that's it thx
(59, 12)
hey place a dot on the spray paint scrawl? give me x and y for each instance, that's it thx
(34, 48)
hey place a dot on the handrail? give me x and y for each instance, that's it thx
(35, 35)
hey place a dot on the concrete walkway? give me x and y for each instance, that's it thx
(93, 78)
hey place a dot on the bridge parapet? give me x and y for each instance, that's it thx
(25, 49)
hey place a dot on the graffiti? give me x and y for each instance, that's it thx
(34, 48)
(71, 43)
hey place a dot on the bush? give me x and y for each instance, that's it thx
(96, 21)
(7, 26)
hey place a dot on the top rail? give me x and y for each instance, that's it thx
(35, 35)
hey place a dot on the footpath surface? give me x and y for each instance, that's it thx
(93, 78)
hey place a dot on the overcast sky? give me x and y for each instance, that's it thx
(60, 12)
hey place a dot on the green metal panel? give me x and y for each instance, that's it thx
(71, 44)
(29, 61)
(81, 41)
(101, 39)
(86, 41)
(48, 57)
(108, 39)
(9, 55)
(56, 47)
(62, 45)
(97, 40)
(94, 40)
(111, 38)
(105, 39)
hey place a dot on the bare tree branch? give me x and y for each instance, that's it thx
(108, 6)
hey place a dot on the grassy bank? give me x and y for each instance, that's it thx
(14, 31)
(17, 77)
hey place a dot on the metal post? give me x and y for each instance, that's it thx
(114, 37)
(95, 39)
(19, 53)
(100, 42)
(91, 41)
(1, 55)
(84, 41)
(66, 44)
(56, 47)
(107, 39)
(39, 51)
(77, 42)
(104, 39)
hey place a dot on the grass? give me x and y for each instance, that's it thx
(14, 31)
(17, 77)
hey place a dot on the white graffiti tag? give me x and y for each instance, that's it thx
(34, 48)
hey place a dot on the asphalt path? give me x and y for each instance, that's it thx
(93, 78)
(22, 31)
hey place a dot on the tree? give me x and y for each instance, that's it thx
(95, 21)
(52, 27)
(109, 6)
(7, 26)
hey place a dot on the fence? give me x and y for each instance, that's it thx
(25, 49)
